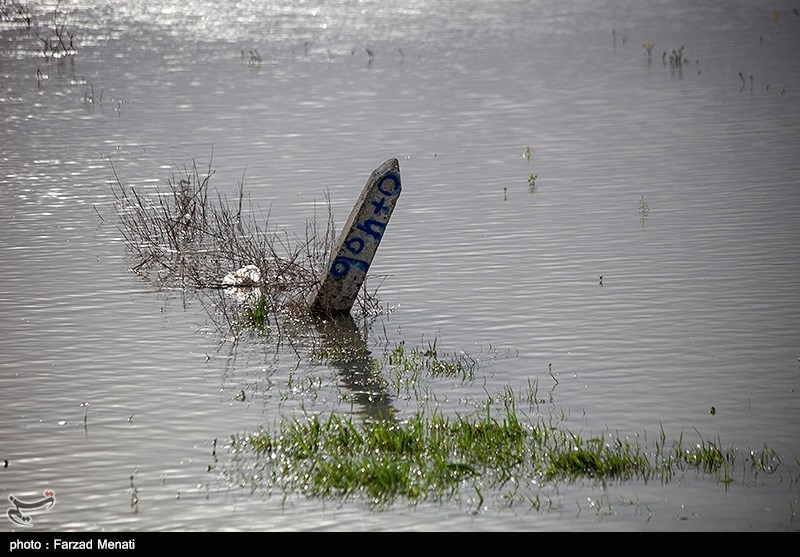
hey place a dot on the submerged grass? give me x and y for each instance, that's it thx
(434, 456)
(494, 450)
(415, 360)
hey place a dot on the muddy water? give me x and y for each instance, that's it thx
(677, 184)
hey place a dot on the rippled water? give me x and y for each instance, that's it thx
(677, 185)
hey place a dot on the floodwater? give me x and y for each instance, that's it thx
(676, 183)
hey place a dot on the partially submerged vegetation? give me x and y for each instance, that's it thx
(435, 456)
(55, 39)
(58, 41)
(189, 236)
(496, 450)
(15, 12)
(186, 236)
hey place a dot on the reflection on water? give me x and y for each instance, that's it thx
(343, 346)
(675, 184)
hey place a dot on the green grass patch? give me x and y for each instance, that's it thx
(434, 456)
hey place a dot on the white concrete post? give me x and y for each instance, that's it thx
(357, 242)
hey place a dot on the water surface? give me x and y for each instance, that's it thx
(677, 185)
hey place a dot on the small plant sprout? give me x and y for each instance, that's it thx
(676, 59)
(85, 406)
(255, 58)
(550, 371)
(528, 153)
(644, 210)
(134, 494)
(90, 98)
(741, 76)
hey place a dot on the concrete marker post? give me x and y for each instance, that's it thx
(357, 243)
